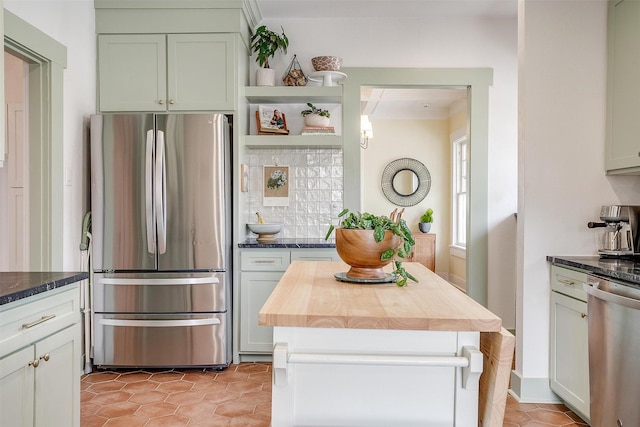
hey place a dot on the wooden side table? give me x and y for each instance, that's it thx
(424, 251)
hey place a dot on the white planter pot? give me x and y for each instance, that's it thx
(265, 77)
(316, 120)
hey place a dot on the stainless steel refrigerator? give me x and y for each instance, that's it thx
(161, 212)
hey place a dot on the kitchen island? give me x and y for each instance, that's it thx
(378, 355)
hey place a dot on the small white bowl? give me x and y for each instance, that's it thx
(265, 231)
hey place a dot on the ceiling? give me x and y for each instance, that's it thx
(387, 102)
(394, 103)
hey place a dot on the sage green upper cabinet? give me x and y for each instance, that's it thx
(166, 72)
(623, 88)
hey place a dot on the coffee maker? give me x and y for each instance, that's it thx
(620, 237)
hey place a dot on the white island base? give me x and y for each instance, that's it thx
(369, 377)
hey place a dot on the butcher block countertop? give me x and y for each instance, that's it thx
(308, 295)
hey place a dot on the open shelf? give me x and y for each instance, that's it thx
(293, 94)
(293, 141)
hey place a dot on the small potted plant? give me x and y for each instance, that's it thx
(315, 117)
(265, 43)
(368, 242)
(425, 221)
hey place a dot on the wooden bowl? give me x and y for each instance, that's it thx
(359, 249)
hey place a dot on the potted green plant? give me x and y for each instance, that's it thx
(265, 43)
(425, 221)
(368, 242)
(315, 117)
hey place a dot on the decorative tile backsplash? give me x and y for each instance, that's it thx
(315, 190)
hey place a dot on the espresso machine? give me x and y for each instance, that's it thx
(620, 237)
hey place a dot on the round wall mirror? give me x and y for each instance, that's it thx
(406, 182)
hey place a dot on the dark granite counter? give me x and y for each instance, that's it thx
(22, 284)
(289, 243)
(627, 270)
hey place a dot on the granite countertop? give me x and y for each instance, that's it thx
(289, 243)
(627, 270)
(22, 284)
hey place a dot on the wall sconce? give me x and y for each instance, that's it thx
(366, 131)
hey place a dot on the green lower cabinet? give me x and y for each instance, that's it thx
(166, 72)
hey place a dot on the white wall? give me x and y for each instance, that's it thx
(70, 22)
(438, 41)
(562, 87)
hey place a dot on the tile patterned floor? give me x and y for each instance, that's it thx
(238, 396)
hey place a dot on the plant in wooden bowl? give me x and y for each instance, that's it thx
(369, 242)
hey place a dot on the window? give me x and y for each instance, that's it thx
(460, 168)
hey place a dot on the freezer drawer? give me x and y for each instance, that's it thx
(160, 340)
(155, 293)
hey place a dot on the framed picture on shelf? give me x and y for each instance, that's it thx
(271, 120)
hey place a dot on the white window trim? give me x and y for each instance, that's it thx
(455, 137)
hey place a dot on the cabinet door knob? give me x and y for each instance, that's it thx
(34, 363)
(161, 101)
(583, 315)
(171, 101)
(45, 357)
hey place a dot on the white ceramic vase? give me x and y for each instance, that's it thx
(316, 120)
(265, 77)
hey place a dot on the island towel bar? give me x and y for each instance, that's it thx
(471, 362)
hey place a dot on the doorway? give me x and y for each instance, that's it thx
(44, 60)
(14, 179)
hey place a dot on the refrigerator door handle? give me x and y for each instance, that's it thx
(173, 281)
(161, 195)
(159, 323)
(148, 181)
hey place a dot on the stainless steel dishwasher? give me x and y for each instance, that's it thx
(614, 352)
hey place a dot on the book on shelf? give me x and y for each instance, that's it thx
(271, 122)
(318, 130)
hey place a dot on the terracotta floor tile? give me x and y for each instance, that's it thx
(130, 377)
(261, 377)
(549, 417)
(168, 421)
(106, 386)
(250, 421)
(197, 410)
(174, 386)
(98, 377)
(232, 377)
(158, 409)
(244, 387)
(110, 397)
(139, 386)
(127, 421)
(162, 377)
(235, 408)
(119, 409)
(221, 396)
(257, 397)
(92, 421)
(209, 386)
(239, 396)
(148, 397)
(252, 368)
(213, 421)
(185, 397)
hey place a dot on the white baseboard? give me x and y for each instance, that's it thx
(532, 390)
